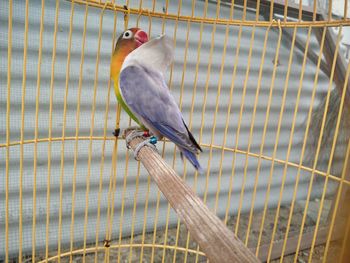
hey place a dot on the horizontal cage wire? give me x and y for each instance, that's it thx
(263, 86)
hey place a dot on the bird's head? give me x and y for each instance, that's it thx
(127, 42)
(131, 39)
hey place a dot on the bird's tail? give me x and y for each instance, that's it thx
(193, 159)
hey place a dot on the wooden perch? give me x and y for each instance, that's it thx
(340, 64)
(217, 242)
(311, 54)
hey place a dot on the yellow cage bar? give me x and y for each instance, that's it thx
(264, 86)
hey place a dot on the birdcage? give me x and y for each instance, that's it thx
(264, 87)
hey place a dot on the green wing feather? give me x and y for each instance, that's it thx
(125, 107)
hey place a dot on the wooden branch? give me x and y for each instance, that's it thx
(339, 80)
(310, 53)
(346, 244)
(217, 242)
(340, 66)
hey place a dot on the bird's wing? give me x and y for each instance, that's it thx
(158, 54)
(145, 92)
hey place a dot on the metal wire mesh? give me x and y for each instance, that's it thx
(210, 116)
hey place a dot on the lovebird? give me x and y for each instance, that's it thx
(138, 68)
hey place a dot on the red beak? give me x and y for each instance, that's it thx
(141, 37)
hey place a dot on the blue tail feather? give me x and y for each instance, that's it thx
(193, 159)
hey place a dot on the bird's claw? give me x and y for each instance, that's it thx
(150, 142)
(130, 129)
(132, 135)
(139, 133)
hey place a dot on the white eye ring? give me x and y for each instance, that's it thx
(127, 34)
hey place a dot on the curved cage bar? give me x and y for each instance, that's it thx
(263, 85)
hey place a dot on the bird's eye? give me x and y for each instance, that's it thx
(127, 34)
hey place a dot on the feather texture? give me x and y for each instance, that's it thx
(156, 54)
(145, 92)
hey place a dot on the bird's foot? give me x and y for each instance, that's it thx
(130, 129)
(132, 135)
(151, 142)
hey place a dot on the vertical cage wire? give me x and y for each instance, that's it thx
(229, 106)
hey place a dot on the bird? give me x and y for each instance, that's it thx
(138, 68)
